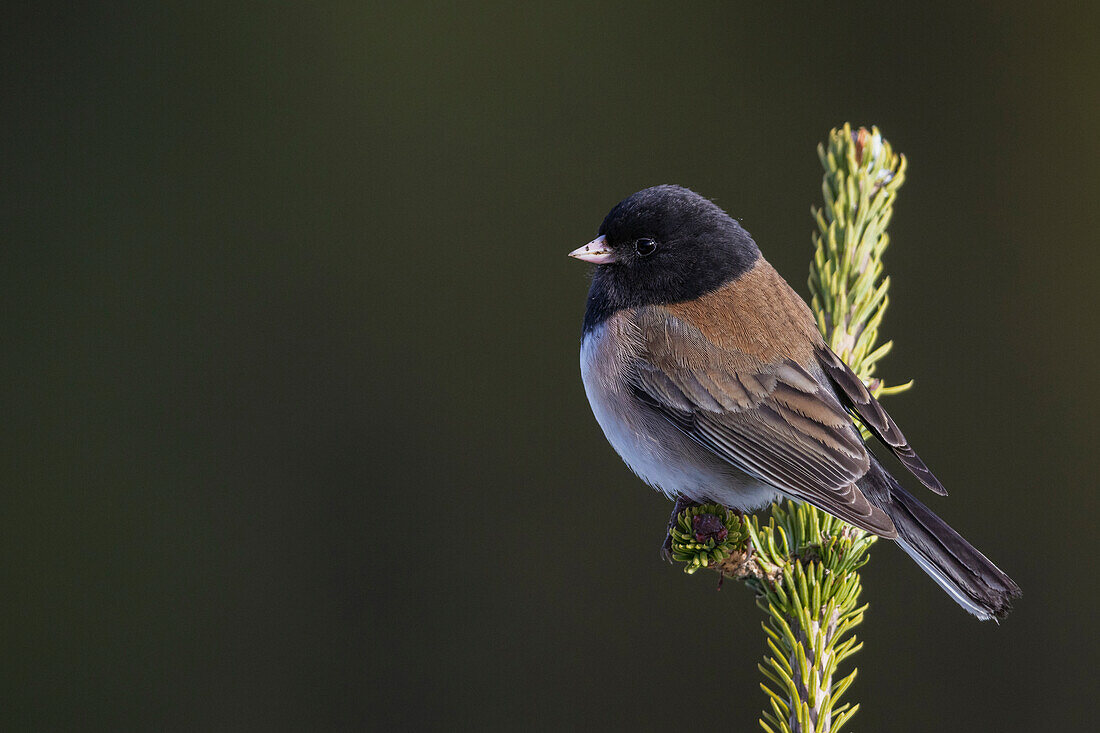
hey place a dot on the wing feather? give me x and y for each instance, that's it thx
(776, 422)
(860, 400)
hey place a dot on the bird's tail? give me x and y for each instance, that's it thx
(967, 575)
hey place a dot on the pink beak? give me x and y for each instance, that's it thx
(597, 252)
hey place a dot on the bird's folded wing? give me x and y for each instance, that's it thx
(775, 422)
(860, 400)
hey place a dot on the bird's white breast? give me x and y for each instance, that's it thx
(651, 446)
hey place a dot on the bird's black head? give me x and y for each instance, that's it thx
(665, 244)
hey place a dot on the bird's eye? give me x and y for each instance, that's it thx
(645, 246)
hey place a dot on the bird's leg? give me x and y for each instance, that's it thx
(682, 503)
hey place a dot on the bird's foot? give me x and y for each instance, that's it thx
(682, 503)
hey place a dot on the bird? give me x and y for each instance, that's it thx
(709, 377)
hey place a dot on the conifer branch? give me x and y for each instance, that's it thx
(804, 564)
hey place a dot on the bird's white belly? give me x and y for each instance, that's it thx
(653, 447)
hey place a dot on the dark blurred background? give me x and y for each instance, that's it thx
(294, 432)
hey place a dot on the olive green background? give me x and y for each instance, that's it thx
(294, 435)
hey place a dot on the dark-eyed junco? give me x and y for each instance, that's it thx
(708, 375)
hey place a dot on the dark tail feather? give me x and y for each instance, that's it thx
(967, 575)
